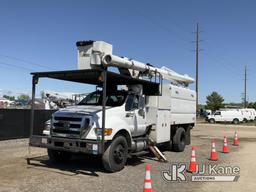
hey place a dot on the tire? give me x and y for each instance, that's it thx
(58, 156)
(168, 145)
(245, 120)
(188, 137)
(211, 121)
(179, 140)
(236, 121)
(115, 157)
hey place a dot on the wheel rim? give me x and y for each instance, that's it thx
(119, 154)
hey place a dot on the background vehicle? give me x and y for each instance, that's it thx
(247, 114)
(250, 114)
(234, 116)
(130, 110)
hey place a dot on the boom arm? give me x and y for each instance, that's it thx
(166, 73)
(92, 54)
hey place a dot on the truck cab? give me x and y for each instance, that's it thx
(125, 110)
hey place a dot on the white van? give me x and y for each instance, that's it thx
(234, 116)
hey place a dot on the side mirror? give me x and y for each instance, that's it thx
(141, 112)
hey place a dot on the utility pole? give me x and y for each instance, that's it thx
(245, 86)
(197, 52)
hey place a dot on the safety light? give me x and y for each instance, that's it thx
(100, 78)
(108, 131)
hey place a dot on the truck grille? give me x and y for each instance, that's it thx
(65, 126)
(66, 131)
(68, 118)
(66, 123)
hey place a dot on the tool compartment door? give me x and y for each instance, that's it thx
(163, 126)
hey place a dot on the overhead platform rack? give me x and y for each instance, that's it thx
(93, 77)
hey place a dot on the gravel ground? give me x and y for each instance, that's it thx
(86, 174)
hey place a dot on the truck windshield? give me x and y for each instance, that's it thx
(114, 99)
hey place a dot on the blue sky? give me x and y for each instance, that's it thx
(43, 34)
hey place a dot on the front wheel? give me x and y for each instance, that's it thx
(115, 157)
(212, 121)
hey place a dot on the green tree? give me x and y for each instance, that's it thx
(214, 101)
(252, 105)
(42, 93)
(23, 97)
(11, 98)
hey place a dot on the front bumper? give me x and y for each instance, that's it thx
(65, 144)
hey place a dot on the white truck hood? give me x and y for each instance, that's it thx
(210, 116)
(86, 109)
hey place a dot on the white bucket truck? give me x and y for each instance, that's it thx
(130, 110)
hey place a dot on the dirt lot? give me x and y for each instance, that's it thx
(86, 174)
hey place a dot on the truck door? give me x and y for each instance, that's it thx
(135, 114)
(218, 116)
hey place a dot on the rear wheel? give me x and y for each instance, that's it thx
(115, 157)
(235, 121)
(179, 140)
(58, 156)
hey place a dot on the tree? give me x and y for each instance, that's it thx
(252, 105)
(23, 97)
(42, 93)
(11, 98)
(214, 101)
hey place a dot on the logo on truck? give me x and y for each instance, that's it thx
(66, 124)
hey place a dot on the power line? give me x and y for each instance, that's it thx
(160, 25)
(218, 62)
(15, 66)
(25, 61)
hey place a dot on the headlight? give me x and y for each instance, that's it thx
(47, 125)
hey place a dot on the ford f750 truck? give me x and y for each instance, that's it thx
(132, 108)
